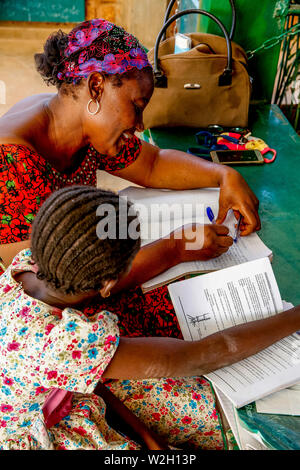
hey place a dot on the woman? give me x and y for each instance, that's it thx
(48, 141)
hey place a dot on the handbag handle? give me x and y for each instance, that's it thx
(233, 23)
(161, 81)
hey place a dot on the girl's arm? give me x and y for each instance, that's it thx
(210, 241)
(141, 358)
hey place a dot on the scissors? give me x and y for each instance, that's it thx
(207, 142)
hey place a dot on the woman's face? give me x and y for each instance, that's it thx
(120, 114)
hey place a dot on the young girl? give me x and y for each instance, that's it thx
(50, 350)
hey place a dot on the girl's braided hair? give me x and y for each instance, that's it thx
(70, 256)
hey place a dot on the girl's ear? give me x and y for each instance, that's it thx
(96, 85)
(107, 287)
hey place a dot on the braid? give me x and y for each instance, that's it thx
(70, 256)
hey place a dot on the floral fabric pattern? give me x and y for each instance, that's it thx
(100, 46)
(181, 410)
(43, 347)
(26, 180)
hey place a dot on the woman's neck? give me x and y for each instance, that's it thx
(63, 135)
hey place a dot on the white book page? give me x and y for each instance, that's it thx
(244, 439)
(158, 222)
(228, 410)
(207, 304)
(286, 401)
(258, 376)
(213, 302)
(246, 249)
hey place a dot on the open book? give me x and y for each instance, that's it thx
(162, 211)
(207, 304)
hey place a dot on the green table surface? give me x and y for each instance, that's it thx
(276, 185)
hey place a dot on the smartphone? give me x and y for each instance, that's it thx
(237, 157)
(183, 43)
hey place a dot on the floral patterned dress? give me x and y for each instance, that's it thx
(26, 180)
(43, 348)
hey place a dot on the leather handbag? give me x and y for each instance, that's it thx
(208, 84)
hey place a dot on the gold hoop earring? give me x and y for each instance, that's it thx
(105, 296)
(88, 107)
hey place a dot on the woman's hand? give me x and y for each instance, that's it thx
(235, 194)
(200, 242)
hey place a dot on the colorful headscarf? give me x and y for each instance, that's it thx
(100, 46)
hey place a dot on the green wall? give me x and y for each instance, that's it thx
(61, 11)
(257, 21)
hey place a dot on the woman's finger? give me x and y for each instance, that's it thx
(250, 223)
(250, 220)
(222, 214)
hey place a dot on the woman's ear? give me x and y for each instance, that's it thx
(96, 85)
(107, 287)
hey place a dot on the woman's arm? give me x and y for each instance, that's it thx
(173, 169)
(141, 358)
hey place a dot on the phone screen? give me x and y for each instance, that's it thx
(237, 156)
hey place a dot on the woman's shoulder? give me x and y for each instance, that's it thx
(11, 143)
(26, 104)
(21, 117)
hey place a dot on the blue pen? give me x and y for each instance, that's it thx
(210, 215)
(237, 229)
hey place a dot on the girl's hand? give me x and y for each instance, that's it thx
(200, 242)
(235, 194)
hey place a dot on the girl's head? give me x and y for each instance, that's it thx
(65, 243)
(106, 72)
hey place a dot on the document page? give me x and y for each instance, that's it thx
(213, 302)
(284, 402)
(162, 211)
(244, 439)
(246, 249)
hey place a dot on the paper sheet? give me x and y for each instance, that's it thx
(213, 302)
(155, 224)
(284, 402)
(244, 439)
